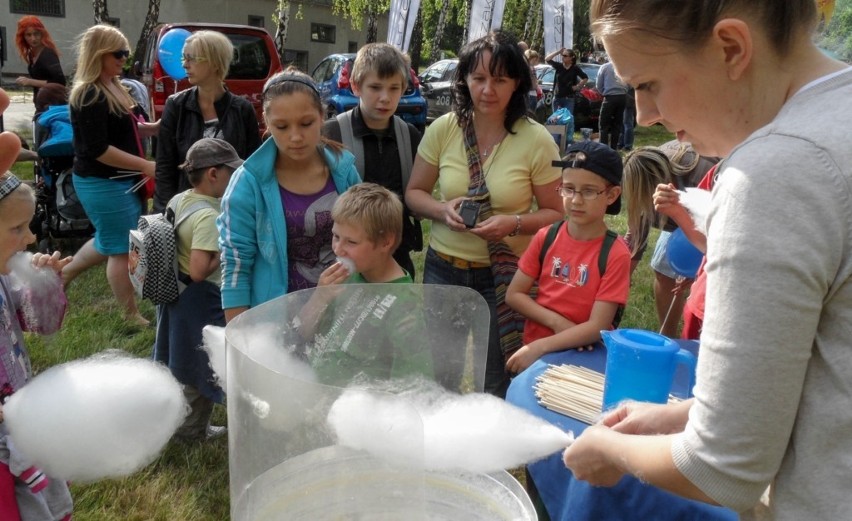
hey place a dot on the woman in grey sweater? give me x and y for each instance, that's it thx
(743, 80)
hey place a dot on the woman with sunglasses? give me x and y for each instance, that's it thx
(109, 168)
(207, 109)
(36, 48)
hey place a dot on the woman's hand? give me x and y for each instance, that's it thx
(148, 129)
(589, 460)
(495, 227)
(648, 418)
(149, 169)
(53, 261)
(24, 81)
(450, 215)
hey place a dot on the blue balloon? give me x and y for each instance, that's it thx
(684, 258)
(170, 53)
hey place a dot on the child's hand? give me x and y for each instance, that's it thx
(53, 261)
(334, 274)
(667, 202)
(522, 358)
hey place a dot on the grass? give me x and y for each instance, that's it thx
(190, 482)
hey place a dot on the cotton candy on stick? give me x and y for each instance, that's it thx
(439, 430)
(104, 416)
(697, 203)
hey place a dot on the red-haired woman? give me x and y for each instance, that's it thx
(36, 47)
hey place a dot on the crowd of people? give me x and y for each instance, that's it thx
(511, 218)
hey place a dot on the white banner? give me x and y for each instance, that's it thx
(558, 25)
(485, 15)
(401, 19)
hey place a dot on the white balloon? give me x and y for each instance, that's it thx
(104, 416)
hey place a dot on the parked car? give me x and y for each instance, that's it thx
(587, 102)
(332, 78)
(255, 60)
(435, 83)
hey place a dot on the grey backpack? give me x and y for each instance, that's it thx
(152, 261)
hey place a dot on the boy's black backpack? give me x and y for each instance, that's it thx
(152, 261)
(609, 239)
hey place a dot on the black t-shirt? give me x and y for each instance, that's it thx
(47, 68)
(566, 79)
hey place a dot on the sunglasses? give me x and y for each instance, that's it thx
(191, 58)
(120, 54)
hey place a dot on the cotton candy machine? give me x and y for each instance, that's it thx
(291, 358)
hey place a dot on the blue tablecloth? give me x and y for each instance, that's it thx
(568, 499)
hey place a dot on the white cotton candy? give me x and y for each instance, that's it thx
(105, 416)
(217, 351)
(347, 263)
(270, 361)
(40, 292)
(439, 430)
(697, 203)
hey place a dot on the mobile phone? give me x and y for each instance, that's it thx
(469, 211)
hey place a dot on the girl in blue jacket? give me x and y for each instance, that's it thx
(275, 225)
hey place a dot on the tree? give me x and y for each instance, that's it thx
(443, 16)
(101, 11)
(358, 10)
(151, 21)
(282, 25)
(837, 36)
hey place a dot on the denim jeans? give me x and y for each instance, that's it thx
(626, 139)
(558, 103)
(438, 271)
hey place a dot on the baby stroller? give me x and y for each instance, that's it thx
(59, 214)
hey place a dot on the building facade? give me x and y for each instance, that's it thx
(314, 32)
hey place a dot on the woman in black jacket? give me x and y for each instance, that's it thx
(205, 110)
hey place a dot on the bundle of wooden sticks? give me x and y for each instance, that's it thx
(573, 391)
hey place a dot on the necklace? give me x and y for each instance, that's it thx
(486, 150)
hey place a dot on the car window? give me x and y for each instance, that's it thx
(591, 72)
(547, 77)
(324, 71)
(434, 73)
(451, 70)
(251, 58)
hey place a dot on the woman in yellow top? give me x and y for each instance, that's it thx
(492, 164)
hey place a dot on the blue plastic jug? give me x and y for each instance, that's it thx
(640, 365)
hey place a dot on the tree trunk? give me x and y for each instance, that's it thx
(416, 44)
(101, 11)
(372, 25)
(439, 30)
(282, 16)
(151, 21)
(529, 22)
(538, 29)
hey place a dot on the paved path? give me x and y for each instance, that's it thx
(19, 115)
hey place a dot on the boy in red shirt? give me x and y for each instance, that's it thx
(575, 302)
